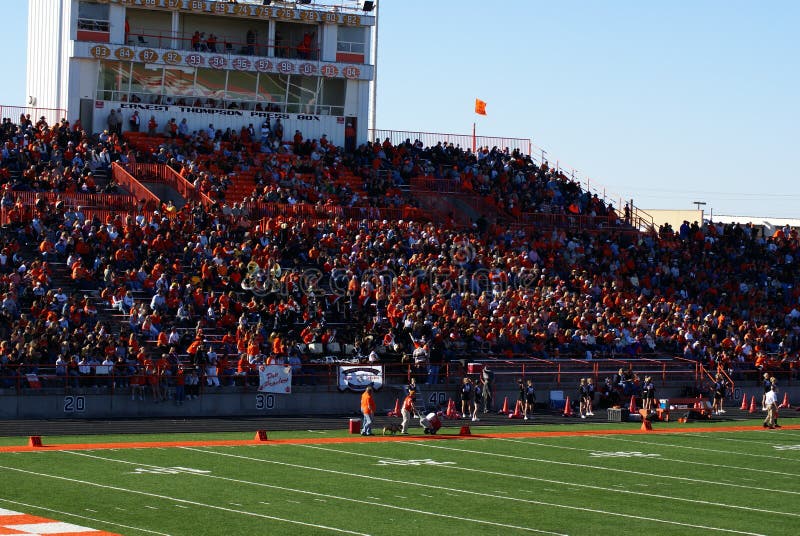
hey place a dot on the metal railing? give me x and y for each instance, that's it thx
(72, 200)
(163, 174)
(218, 44)
(148, 199)
(637, 218)
(51, 115)
(93, 25)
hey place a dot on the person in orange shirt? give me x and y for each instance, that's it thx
(407, 411)
(368, 411)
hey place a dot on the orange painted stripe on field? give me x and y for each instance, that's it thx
(22, 519)
(6, 531)
(378, 439)
(15, 523)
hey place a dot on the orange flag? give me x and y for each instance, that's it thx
(480, 107)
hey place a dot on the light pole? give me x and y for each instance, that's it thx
(699, 205)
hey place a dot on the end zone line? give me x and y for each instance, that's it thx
(175, 499)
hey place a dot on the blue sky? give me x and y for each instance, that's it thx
(665, 102)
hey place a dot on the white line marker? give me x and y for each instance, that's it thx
(716, 451)
(185, 501)
(94, 519)
(601, 468)
(312, 493)
(618, 488)
(656, 458)
(461, 493)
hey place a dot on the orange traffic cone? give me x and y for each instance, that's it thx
(451, 412)
(396, 411)
(504, 411)
(785, 403)
(744, 402)
(753, 404)
(567, 408)
(517, 411)
(632, 408)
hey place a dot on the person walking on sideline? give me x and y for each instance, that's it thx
(407, 411)
(368, 411)
(771, 400)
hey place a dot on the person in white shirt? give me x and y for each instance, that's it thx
(771, 401)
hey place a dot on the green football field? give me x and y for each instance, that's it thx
(710, 482)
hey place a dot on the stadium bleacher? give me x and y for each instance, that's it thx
(298, 252)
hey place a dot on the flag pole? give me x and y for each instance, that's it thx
(474, 148)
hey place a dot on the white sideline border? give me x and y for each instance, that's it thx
(323, 495)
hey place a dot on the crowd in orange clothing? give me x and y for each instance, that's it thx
(718, 294)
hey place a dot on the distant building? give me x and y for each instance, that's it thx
(212, 62)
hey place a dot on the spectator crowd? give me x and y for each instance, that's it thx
(204, 296)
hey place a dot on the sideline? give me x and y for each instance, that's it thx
(378, 439)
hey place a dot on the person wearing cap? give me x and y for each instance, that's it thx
(771, 400)
(407, 411)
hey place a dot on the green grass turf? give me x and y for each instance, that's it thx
(700, 483)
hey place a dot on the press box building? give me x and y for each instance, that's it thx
(226, 63)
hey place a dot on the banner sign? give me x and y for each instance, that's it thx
(275, 379)
(250, 11)
(221, 61)
(358, 377)
(312, 126)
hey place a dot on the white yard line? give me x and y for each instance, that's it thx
(656, 459)
(70, 514)
(616, 437)
(574, 485)
(763, 439)
(462, 492)
(429, 444)
(184, 501)
(321, 495)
